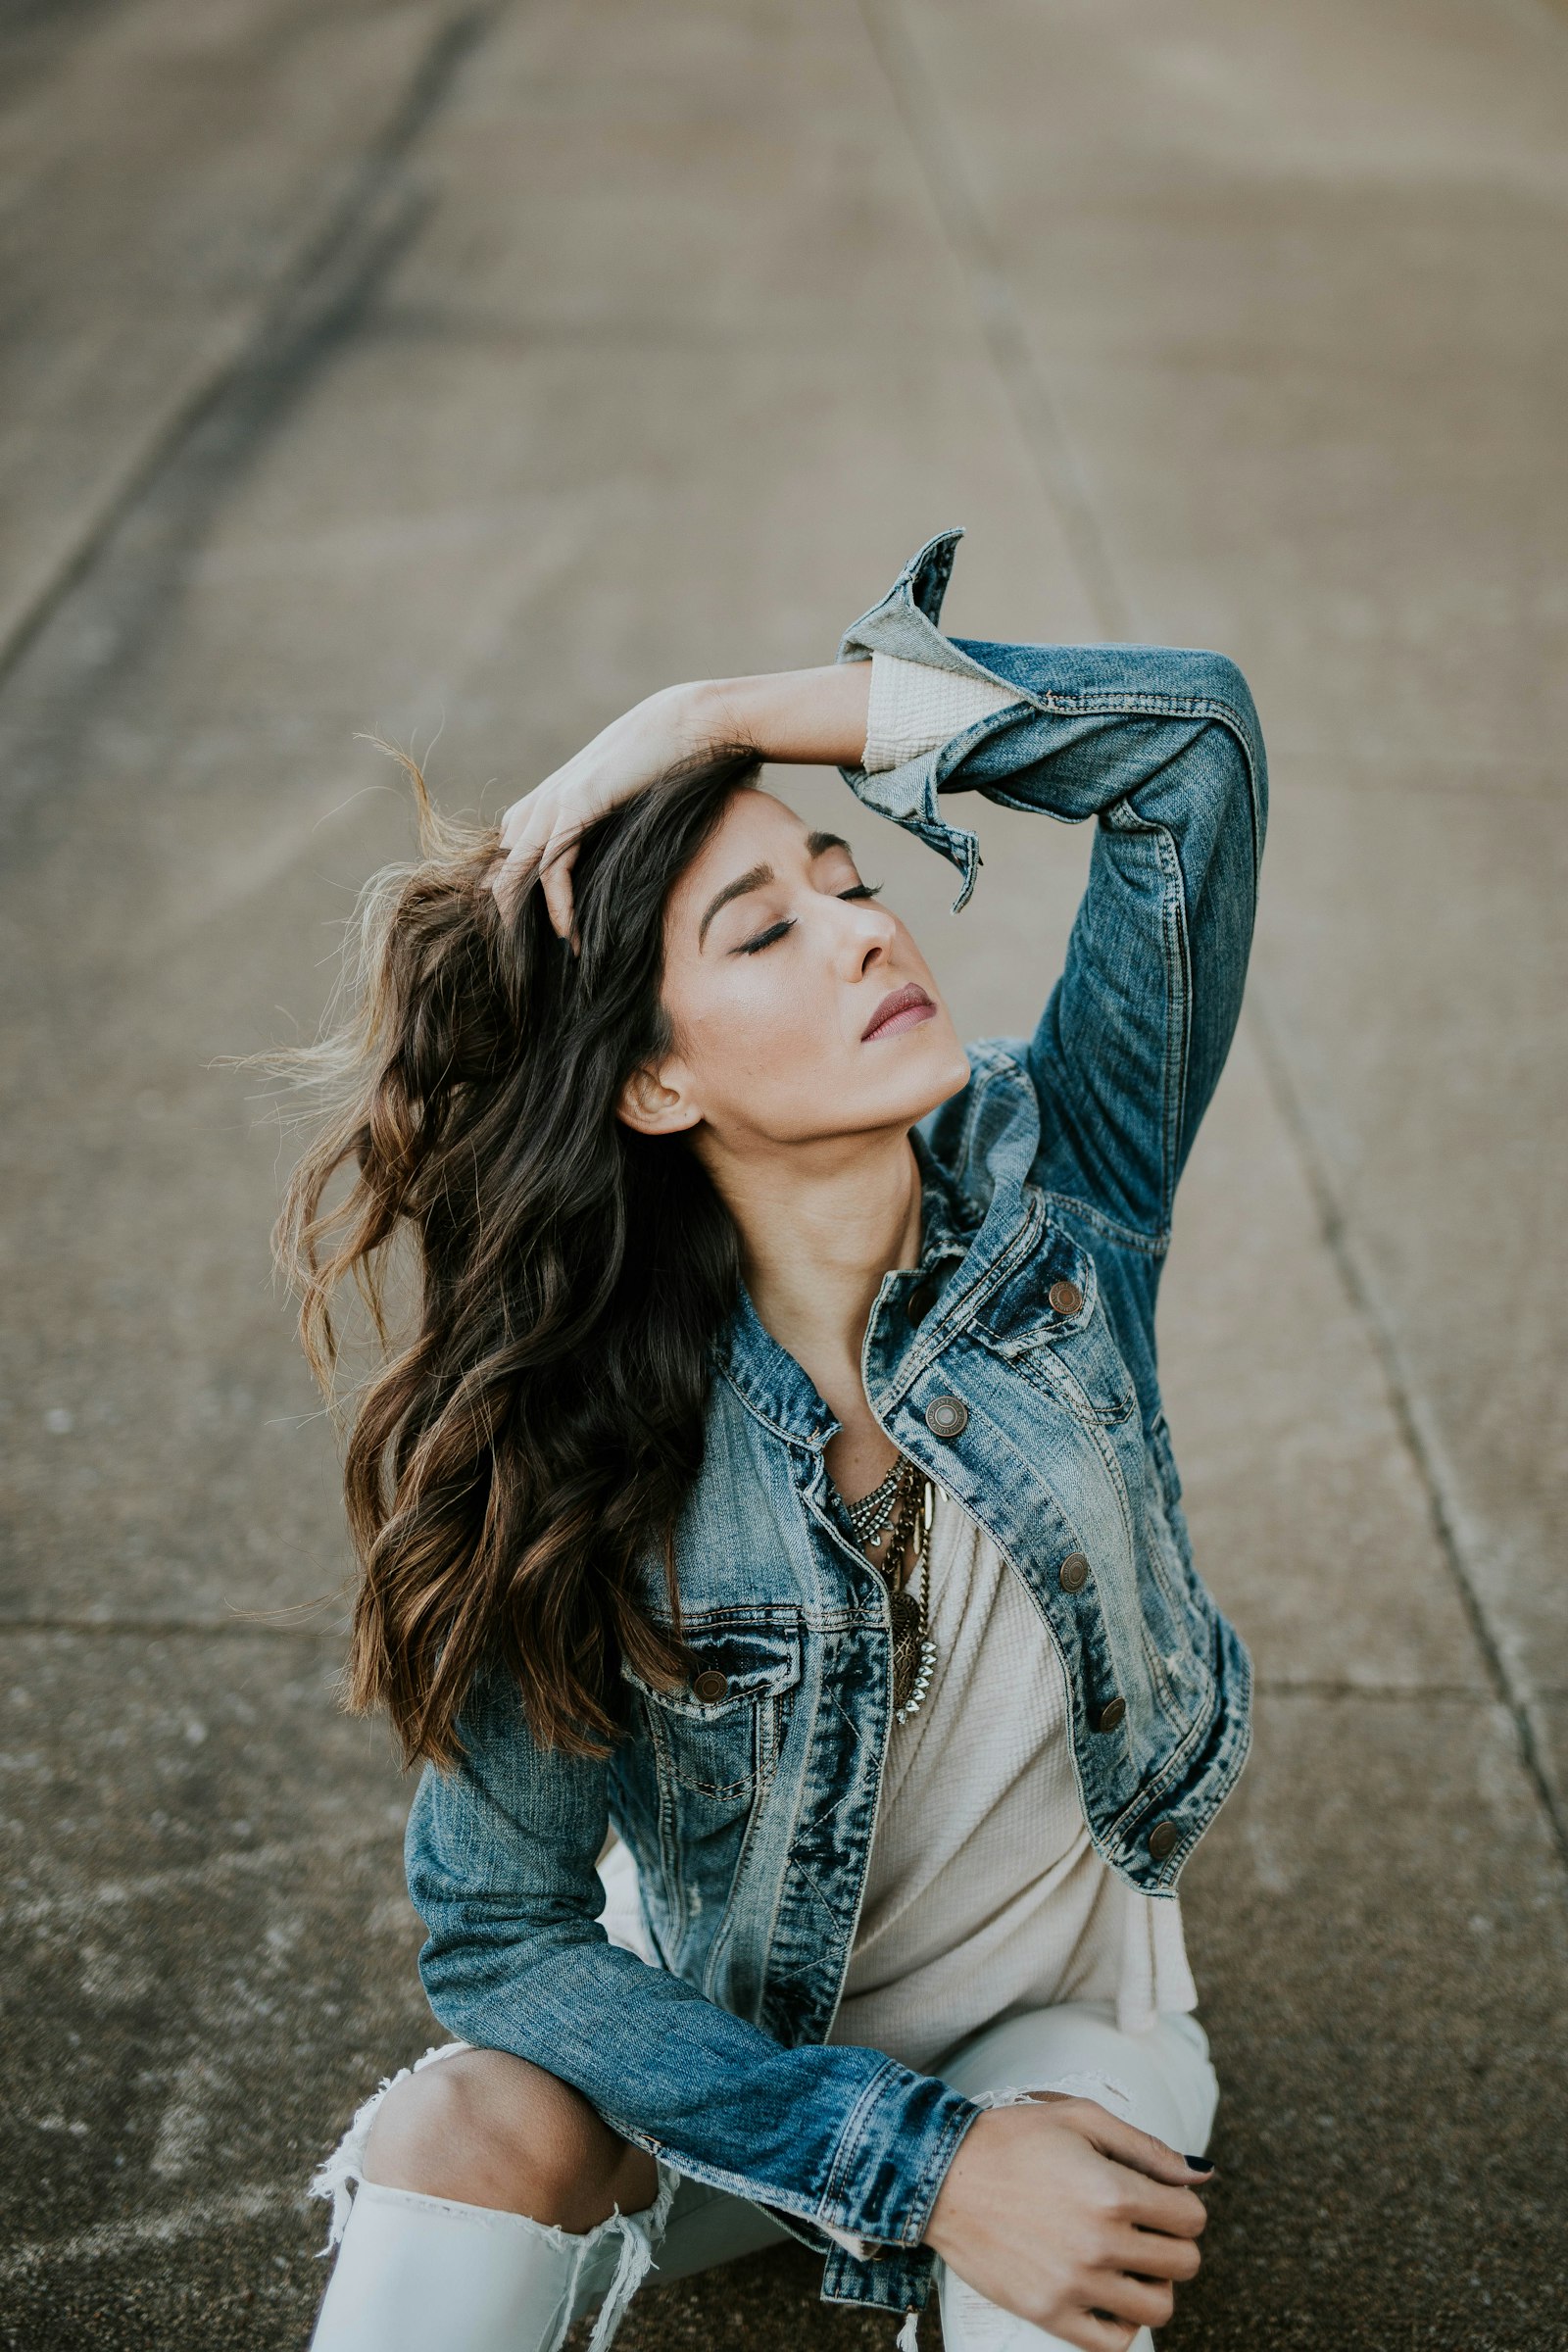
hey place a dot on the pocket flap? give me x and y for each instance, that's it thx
(734, 1662)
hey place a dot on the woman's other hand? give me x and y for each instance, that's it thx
(802, 716)
(1060, 2212)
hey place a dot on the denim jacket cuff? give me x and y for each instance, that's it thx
(893, 2159)
(905, 624)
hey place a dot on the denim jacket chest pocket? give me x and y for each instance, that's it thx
(720, 1731)
(1048, 1323)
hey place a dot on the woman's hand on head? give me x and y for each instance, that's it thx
(540, 833)
(803, 717)
(1060, 2212)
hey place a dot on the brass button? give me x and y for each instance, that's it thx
(1110, 1714)
(1073, 1573)
(922, 1298)
(946, 1416)
(1065, 1297)
(1162, 1836)
(710, 1685)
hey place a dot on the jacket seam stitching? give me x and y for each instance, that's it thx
(929, 2186)
(1127, 1236)
(851, 2139)
(1177, 945)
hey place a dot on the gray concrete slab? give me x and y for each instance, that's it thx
(696, 336)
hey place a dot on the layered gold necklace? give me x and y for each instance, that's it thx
(891, 1525)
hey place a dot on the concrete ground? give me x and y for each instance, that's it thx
(468, 370)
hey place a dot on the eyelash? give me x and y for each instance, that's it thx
(777, 931)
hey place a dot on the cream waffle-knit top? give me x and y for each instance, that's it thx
(984, 1895)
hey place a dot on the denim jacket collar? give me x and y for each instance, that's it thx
(962, 1239)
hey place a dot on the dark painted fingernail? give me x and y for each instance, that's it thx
(1200, 2164)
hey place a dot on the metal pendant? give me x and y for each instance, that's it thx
(914, 1656)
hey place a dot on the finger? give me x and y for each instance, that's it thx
(539, 821)
(1151, 2254)
(529, 842)
(526, 814)
(1097, 2331)
(1141, 2150)
(509, 877)
(555, 876)
(1149, 2205)
(1138, 2302)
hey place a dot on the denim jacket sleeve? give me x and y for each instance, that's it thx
(1163, 747)
(501, 1865)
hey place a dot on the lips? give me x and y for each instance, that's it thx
(906, 1009)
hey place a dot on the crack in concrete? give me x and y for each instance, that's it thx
(355, 241)
(1421, 1443)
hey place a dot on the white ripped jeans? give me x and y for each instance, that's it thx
(417, 2273)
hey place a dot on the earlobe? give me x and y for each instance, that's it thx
(651, 1106)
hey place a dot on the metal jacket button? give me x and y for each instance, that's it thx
(1162, 1836)
(1110, 1714)
(921, 1300)
(1073, 1573)
(710, 1685)
(1065, 1297)
(946, 1416)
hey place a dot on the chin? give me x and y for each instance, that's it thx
(944, 1075)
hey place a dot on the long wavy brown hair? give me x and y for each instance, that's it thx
(523, 1451)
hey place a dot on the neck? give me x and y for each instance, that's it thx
(819, 1228)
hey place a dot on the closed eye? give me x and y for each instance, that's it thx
(764, 939)
(777, 931)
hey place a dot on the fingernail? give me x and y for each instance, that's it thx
(1200, 2164)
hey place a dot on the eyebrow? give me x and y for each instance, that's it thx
(757, 877)
(753, 878)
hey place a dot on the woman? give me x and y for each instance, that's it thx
(777, 1480)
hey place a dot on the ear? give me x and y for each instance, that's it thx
(656, 1102)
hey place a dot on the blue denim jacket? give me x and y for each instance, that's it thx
(1017, 1364)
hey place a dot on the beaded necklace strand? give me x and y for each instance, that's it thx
(884, 1523)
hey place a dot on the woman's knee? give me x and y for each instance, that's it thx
(487, 2129)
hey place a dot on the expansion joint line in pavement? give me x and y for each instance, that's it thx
(353, 239)
(937, 148)
(1018, 364)
(1437, 1481)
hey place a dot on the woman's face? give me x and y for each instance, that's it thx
(801, 1009)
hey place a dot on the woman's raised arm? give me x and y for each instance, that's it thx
(1160, 745)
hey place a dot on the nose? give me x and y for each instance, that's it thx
(869, 933)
